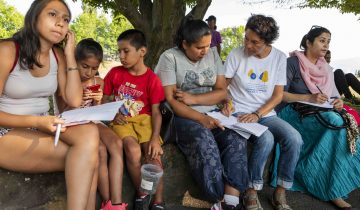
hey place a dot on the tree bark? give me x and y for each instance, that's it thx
(158, 19)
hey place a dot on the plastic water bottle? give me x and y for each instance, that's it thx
(150, 176)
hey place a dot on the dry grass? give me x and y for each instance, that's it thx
(190, 201)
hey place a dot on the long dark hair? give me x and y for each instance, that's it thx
(28, 36)
(191, 31)
(314, 32)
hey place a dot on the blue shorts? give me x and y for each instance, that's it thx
(4, 131)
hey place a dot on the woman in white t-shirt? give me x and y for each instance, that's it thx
(256, 75)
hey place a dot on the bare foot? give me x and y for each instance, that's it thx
(339, 202)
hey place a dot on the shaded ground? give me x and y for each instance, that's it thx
(297, 200)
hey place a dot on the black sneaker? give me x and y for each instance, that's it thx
(142, 203)
(160, 206)
(225, 206)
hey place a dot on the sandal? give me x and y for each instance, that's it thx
(252, 197)
(279, 202)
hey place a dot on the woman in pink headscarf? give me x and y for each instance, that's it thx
(327, 168)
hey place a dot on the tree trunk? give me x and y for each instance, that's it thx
(158, 19)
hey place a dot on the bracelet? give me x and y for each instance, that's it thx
(72, 68)
(258, 115)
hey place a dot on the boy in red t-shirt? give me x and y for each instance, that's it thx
(139, 120)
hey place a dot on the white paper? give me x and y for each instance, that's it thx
(327, 104)
(253, 128)
(225, 121)
(244, 134)
(104, 112)
(244, 129)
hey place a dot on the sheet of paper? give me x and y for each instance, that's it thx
(104, 112)
(327, 104)
(253, 128)
(225, 121)
(244, 134)
(232, 123)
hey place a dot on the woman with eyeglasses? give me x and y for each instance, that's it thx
(326, 168)
(256, 75)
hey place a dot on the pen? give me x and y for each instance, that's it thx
(318, 88)
(57, 134)
(230, 104)
(320, 91)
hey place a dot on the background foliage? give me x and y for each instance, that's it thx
(232, 37)
(94, 24)
(10, 20)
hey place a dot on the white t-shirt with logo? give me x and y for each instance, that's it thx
(253, 79)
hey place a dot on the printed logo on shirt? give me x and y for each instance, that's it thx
(129, 94)
(197, 81)
(257, 84)
(264, 76)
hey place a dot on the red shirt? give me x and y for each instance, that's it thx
(139, 92)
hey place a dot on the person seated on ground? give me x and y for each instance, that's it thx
(31, 70)
(139, 121)
(327, 169)
(344, 81)
(193, 78)
(215, 35)
(89, 55)
(256, 75)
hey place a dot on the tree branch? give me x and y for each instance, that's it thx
(130, 11)
(200, 9)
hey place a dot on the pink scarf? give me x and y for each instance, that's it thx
(318, 74)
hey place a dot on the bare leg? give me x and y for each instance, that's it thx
(30, 151)
(133, 159)
(229, 190)
(81, 161)
(116, 166)
(103, 180)
(92, 197)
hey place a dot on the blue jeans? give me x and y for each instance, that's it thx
(216, 157)
(290, 142)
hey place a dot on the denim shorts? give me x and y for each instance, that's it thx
(4, 131)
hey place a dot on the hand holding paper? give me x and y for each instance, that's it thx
(85, 115)
(244, 129)
(104, 112)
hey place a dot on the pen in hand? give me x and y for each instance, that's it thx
(321, 91)
(57, 134)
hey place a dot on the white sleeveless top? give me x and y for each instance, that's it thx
(24, 94)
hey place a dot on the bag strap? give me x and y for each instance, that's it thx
(55, 55)
(329, 125)
(17, 47)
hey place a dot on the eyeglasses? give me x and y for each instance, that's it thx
(315, 27)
